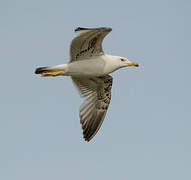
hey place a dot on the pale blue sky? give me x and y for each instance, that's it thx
(147, 131)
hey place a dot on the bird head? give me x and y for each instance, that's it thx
(125, 62)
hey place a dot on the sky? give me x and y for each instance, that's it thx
(146, 133)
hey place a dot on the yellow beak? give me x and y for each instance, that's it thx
(133, 64)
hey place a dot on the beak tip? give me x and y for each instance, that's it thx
(133, 64)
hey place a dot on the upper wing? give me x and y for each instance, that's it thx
(88, 43)
(97, 91)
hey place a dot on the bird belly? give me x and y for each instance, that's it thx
(93, 67)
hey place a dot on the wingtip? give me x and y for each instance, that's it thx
(80, 28)
(87, 139)
(83, 28)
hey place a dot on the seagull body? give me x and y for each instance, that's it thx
(89, 68)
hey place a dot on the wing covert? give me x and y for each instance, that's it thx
(88, 43)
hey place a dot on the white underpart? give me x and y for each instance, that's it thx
(89, 68)
(94, 66)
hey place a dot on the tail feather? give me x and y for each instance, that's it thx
(52, 70)
(42, 70)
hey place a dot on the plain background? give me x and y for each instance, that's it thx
(146, 133)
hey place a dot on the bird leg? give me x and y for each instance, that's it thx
(56, 73)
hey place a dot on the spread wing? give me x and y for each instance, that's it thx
(88, 43)
(97, 91)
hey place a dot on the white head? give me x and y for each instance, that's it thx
(124, 62)
(121, 61)
(116, 62)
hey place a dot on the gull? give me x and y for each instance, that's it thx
(89, 68)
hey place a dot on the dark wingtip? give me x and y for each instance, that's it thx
(82, 28)
(87, 139)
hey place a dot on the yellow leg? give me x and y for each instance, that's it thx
(56, 73)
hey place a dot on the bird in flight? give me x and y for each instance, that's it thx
(89, 68)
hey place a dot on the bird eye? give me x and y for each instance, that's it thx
(122, 59)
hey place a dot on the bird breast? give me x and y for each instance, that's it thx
(89, 67)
